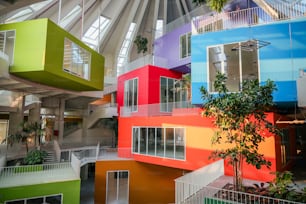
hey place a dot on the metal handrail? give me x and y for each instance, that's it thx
(247, 17)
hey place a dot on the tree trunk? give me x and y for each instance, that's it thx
(27, 147)
(237, 178)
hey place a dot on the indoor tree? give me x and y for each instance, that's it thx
(28, 131)
(215, 5)
(241, 121)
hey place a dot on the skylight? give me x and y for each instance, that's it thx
(92, 35)
(70, 16)
(122, 57)
(159, 28)
(27, 11)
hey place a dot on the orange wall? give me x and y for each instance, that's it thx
(199, 131)
(147, 183)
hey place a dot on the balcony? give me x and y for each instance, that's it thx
(160, 109)
(206, 185)
(36, 174)
(268, 13)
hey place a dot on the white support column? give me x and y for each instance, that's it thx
(16, 118)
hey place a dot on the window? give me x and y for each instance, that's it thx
(237, 64)
(285, 147)
(7, 44)
(159, 28)
(185, 45)
(27, 11)
(160, 142)
(171, 94)
(96, 31)
(76, 60)
(131, 94)
(123, 53)
(70, 16)
(54, 199)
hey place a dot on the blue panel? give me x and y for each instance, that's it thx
(198, 73)
(280, 61)
(196, 94)
(286, 92)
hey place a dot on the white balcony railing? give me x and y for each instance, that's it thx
(189, 184)
(93, 153)
(142, 61)
(247, 17)
(160, 109)
(212, 195)
(35, 174)
(19, 170)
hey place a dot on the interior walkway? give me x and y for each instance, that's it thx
(87, 191)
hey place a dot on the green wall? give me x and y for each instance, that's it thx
(39, 52)
(69, 189)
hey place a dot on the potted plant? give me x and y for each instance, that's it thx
(35, 157)
(141, 43)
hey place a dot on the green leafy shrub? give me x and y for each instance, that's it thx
(35, 157)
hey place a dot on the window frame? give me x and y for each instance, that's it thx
(187, 41)
(134, 104)
(71, 66)
(160, 150)
(223, 63)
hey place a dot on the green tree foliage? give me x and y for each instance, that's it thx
(240, 120)
(141, 43)
(35, 157)
(215, 5)
(28, 131)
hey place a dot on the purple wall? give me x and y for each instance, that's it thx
(167, 50)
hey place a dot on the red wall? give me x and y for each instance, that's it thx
(148, 83)
(199, 131)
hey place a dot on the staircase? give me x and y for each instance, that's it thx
(50, 158)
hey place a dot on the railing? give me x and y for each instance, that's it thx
(93, 153)
(80, 152)
(212, 195)
(142, 61)
(189, 184)
(160, 109)
(247, 17)
(186, 18)
(41, 168)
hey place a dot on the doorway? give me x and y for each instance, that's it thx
(117, 187)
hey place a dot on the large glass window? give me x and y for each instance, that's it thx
(237, 64)
(160, 142)
(159, 28)
(7, 43)
(185, 45)
(71, 16)
(123, 53)
(96, 31)
(131, 94)
(25, 12)
(76, 60)
(171, 92)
